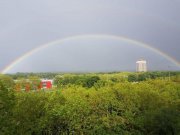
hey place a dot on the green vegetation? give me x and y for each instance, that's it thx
(102, 104)
(7, 102)
(84, 80)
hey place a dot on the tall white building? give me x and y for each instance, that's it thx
(141, 65)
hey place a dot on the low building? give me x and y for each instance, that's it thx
(46, 84)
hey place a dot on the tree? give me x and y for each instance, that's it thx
(163, 121)
(132, 78)
(6, 80)
(7, 101)
(90, 81)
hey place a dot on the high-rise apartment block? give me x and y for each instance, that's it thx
(141, 65)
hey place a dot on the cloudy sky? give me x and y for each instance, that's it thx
(26, 25)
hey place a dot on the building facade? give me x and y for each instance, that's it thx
(141, 66)
(46, 84)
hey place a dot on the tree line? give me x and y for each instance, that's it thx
(111, 105)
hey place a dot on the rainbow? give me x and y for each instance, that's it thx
(94, 36)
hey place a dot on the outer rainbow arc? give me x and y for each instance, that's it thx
(79, 37)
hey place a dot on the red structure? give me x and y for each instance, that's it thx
(27, 87)
(46, 84)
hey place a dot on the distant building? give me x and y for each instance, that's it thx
(141, 65)
(46, 84)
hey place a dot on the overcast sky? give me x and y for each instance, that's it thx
(25, 25)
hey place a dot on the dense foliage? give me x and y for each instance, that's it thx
(94, 104)
(84, 80)
(7, 102)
